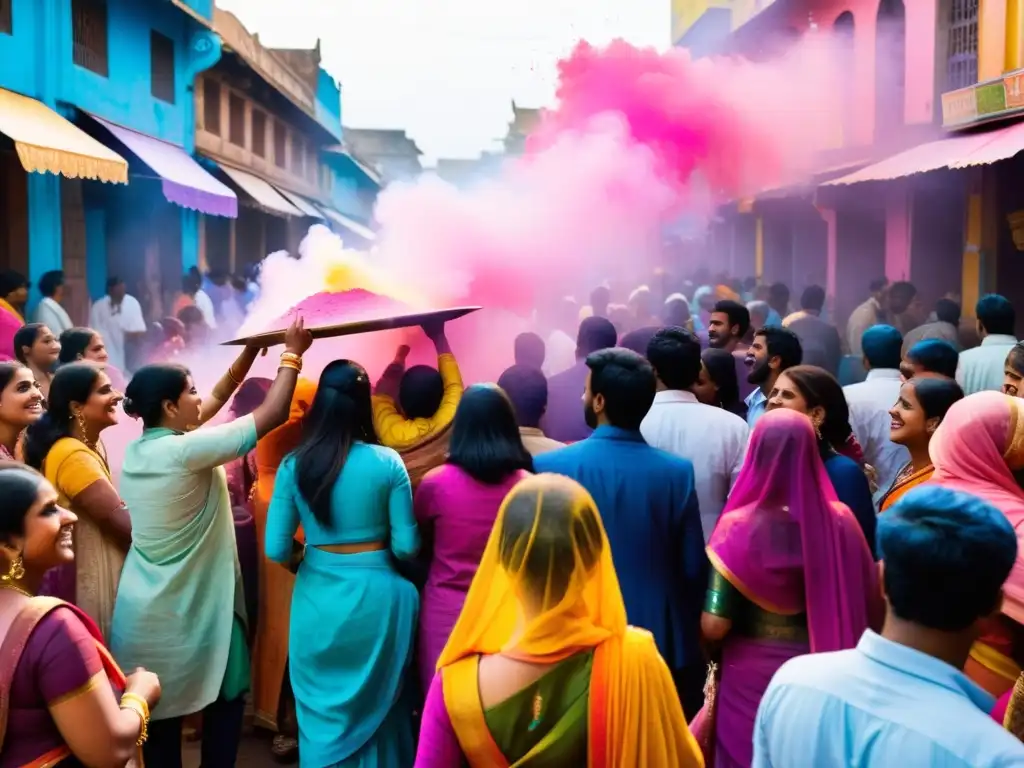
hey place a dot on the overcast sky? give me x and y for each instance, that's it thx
(448, 70)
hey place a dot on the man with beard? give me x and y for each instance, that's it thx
(727, 327)
(772, 352)
(648, 502)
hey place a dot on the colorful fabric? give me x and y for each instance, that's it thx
(977, 448)
(787, 544)
(395, 431)
(10, 322)
(72, 467)
(634, 715)
(62, 657)
(906, 480)
(181, 587)
(270, 655)
(456, 514)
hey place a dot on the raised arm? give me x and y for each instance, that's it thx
(228, 383)
(274, 410)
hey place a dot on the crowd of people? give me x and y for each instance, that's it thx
(677, 531)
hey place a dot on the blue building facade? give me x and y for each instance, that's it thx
(131, 63)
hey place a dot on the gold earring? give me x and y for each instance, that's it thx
(817, 429)
(81, 422)
(16, 572)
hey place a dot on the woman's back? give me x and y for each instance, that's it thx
(372, 488)
(461, 512)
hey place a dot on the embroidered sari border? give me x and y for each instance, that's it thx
(746, 591)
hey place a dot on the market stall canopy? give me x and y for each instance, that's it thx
(962, 151)
(259, 190)
(307, 208)
(348, 312)
(47, 143)
(184, 181)
(353, 226)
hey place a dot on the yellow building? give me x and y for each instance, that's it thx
(701, 25)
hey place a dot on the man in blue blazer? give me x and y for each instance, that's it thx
(648, 502)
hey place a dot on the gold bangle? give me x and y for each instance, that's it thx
(289, 364)
(292, 357)
(135, 707)
(231, 375)
(128, 696)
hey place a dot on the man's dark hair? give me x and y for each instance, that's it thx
(778, 294)
(878, 284)
(627, 382)
(996, 314)
(113, 281)
(946, 555)
(191, 315)
(595, 333)
(50, 282)
(527, 388)
(783, 344)
(813, 298)
(935, 356)
(738, 315)
(530, 350)
(420, 392)
(902, 293)
(883, 346)
(674, 353)
(947, 311)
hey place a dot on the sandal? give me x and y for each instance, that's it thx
(285, 749)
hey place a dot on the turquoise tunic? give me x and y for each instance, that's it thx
(181, 587)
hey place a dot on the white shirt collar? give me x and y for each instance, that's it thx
(998, 338)
(883, 373)
(674, 396)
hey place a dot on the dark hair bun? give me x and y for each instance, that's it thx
(129, 408)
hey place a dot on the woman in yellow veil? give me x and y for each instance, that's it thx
(541, 668)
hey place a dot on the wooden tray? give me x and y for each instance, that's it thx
(273, 338)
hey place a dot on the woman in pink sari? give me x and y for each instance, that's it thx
(978, 448)
(791, 574)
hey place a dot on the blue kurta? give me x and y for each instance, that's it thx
(648, 502)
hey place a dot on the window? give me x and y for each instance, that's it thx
(89, 35)
(962, 65)
(161, 66)
(312, 163)
(211, 106)
(280, 142)
(298, 165)
(259, 133)
(236, 118)
(6, 23)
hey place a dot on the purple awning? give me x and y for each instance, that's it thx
(185, 182)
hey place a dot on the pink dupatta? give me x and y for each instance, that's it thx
(787, 543)
(10, 324)
(976, 449)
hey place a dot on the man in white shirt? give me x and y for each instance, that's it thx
(50, 312)
(871, 312)
(871, 400)
(900, 698)
(712, 439)
(118, 318)
(981, 368)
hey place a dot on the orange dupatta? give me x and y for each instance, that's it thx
(635, 717)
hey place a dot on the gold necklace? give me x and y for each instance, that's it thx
(16, 588)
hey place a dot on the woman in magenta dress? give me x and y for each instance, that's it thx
(791, 574)
(456, 506)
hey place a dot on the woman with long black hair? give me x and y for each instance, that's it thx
(65, 445)
(36, 346)
(353, 616)
(456, 506)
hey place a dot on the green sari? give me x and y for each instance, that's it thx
(180, 607)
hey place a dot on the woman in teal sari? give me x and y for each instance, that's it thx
(180, 606)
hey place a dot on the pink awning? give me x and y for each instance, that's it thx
(960, 151)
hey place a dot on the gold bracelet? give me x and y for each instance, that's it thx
(289, 364)
(292, 357)
(128, 696)
(231, 375)
(135, 707)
